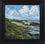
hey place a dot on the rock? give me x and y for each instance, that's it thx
(34, 23)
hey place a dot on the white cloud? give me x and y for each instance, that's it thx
(24, 9)
(21, 11)
(27, 15)
(24, 13)
(12, 14)
(34, 12)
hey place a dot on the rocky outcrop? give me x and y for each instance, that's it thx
(34, 23)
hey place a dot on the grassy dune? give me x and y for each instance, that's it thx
(20, 24)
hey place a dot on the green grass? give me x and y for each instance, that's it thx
(14, 33)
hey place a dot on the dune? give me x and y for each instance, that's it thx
(19, 24)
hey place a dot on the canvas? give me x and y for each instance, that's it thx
(22, 21)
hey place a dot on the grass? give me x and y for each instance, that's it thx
(13, 32)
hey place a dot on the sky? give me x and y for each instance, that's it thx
(22, 12)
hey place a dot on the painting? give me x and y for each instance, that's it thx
(22, 21)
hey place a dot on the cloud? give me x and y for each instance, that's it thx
(12, 14)
(24, 13)
(24, 9)
(34, 12)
